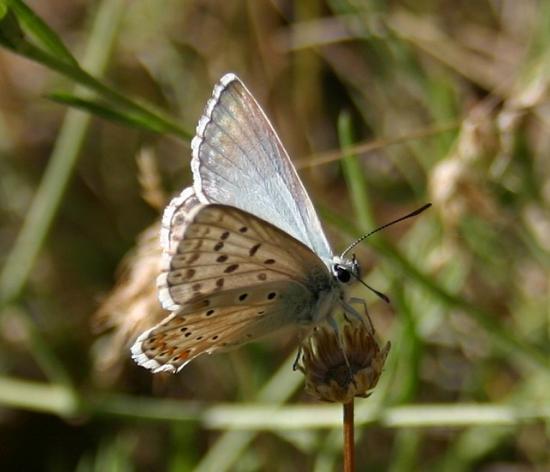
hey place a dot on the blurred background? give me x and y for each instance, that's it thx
(383, 106)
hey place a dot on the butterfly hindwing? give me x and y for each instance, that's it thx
(170, 345)
(238, 160)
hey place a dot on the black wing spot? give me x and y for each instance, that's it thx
(218, 246)
(225, 235)
(254, 249)
(243, 229)
(210, 312)
(271, 295)
(269, 261)
(243, 296)
(231, 268)
(193, 258)
(221, 258)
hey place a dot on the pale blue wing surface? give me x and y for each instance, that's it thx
(238, 160)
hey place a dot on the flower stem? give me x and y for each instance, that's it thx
(349, 443)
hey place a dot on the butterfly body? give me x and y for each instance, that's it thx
(244, 252)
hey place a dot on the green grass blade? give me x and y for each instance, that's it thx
(39, 30)
(126, 117)
(353, 173)
(156, 118)
(11, 34)
(13, 38)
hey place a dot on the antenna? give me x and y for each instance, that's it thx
(383, 296)
(365, 236)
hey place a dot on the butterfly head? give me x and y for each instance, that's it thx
(346, 271)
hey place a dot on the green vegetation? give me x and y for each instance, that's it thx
(384, 106)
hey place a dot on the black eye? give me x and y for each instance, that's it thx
(342, 274)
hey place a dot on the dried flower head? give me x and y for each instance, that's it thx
(339, 368)
(456, 185)
(132, 305)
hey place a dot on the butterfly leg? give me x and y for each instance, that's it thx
(334, 325)
(362, 302)
(298, 357)
(349, 310)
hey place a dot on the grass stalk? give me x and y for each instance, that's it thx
(48, 197)
(250, 418)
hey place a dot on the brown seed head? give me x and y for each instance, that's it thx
(337, 370)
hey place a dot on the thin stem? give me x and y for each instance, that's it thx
(349, 442)
(362, 148)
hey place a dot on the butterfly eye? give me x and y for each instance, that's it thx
(342, 274)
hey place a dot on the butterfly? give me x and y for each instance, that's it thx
(244, 253)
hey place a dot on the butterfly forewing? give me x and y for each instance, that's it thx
(238, 160)
(223, 248)
(175, 219)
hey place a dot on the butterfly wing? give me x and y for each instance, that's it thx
(230, 279)
(175, 218)
(185, 335)
(238, 160)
